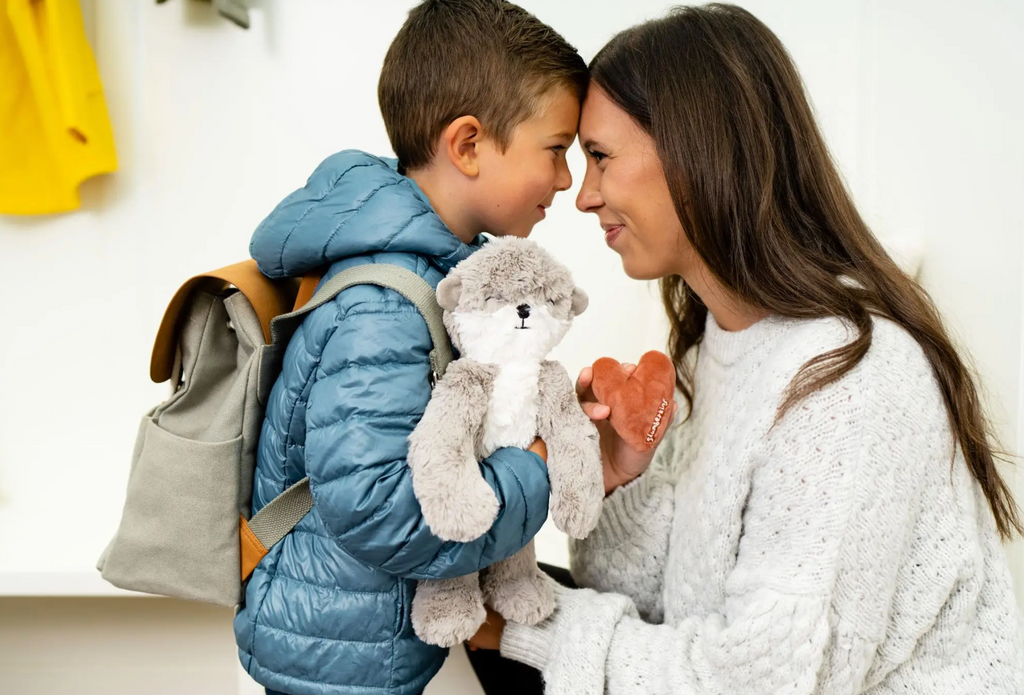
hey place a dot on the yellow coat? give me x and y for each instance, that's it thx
(54, 128)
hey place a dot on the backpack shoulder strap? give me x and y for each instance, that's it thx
(405, 282)
(308, 286)
(272, 523)
(281, 514)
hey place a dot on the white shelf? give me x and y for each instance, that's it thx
(26, 584)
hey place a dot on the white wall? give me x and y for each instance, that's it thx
(214, 125)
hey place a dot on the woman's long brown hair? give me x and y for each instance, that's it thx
(764, 206)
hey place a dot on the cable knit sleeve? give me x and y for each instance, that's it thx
(626, 553)
(826, 462)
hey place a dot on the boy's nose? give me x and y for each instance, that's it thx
(564, 180)
(524, 311)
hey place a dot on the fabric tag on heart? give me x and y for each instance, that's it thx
(639, 402)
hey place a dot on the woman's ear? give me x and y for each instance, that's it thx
(580, 301)
(448, 291)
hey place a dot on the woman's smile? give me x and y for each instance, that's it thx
(611, 233)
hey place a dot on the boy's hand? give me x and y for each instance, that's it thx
(540, 448)
(489, 634)
(622, 463)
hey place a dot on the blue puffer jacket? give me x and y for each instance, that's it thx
(327, 610)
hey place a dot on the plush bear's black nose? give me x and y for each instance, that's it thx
(524, 311)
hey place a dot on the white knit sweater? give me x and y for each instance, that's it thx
(834, 553)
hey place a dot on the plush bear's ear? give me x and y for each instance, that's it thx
(448, 291)
(580, 301)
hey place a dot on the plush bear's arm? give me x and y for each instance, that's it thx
(574, 454)
(458, 505)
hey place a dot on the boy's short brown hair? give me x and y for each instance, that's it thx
(486, 58)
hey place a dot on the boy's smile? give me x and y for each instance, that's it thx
(515, 188)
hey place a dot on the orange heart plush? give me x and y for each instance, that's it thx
(639, 402)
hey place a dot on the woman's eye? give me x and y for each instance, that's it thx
(596, 155)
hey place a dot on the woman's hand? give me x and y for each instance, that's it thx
(622, 463)
(489, 634)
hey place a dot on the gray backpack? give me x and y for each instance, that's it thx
(185, 529)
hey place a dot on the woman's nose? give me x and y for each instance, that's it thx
(589, 198)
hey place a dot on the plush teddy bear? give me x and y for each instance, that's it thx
(505, 308)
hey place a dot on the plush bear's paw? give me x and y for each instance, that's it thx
(463, 512)
(526, 600)
(576, 510)
(447, 616)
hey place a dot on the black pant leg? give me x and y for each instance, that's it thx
(559, 574)
(501, 676)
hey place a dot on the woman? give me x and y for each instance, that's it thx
(827, 516)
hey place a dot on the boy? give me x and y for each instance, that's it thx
(480, 100)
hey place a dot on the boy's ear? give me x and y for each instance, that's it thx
(460, 141)
(580, 301)
(448, 292)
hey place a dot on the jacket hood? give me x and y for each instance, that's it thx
(354, 203)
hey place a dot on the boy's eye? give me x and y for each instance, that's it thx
(557, 148)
